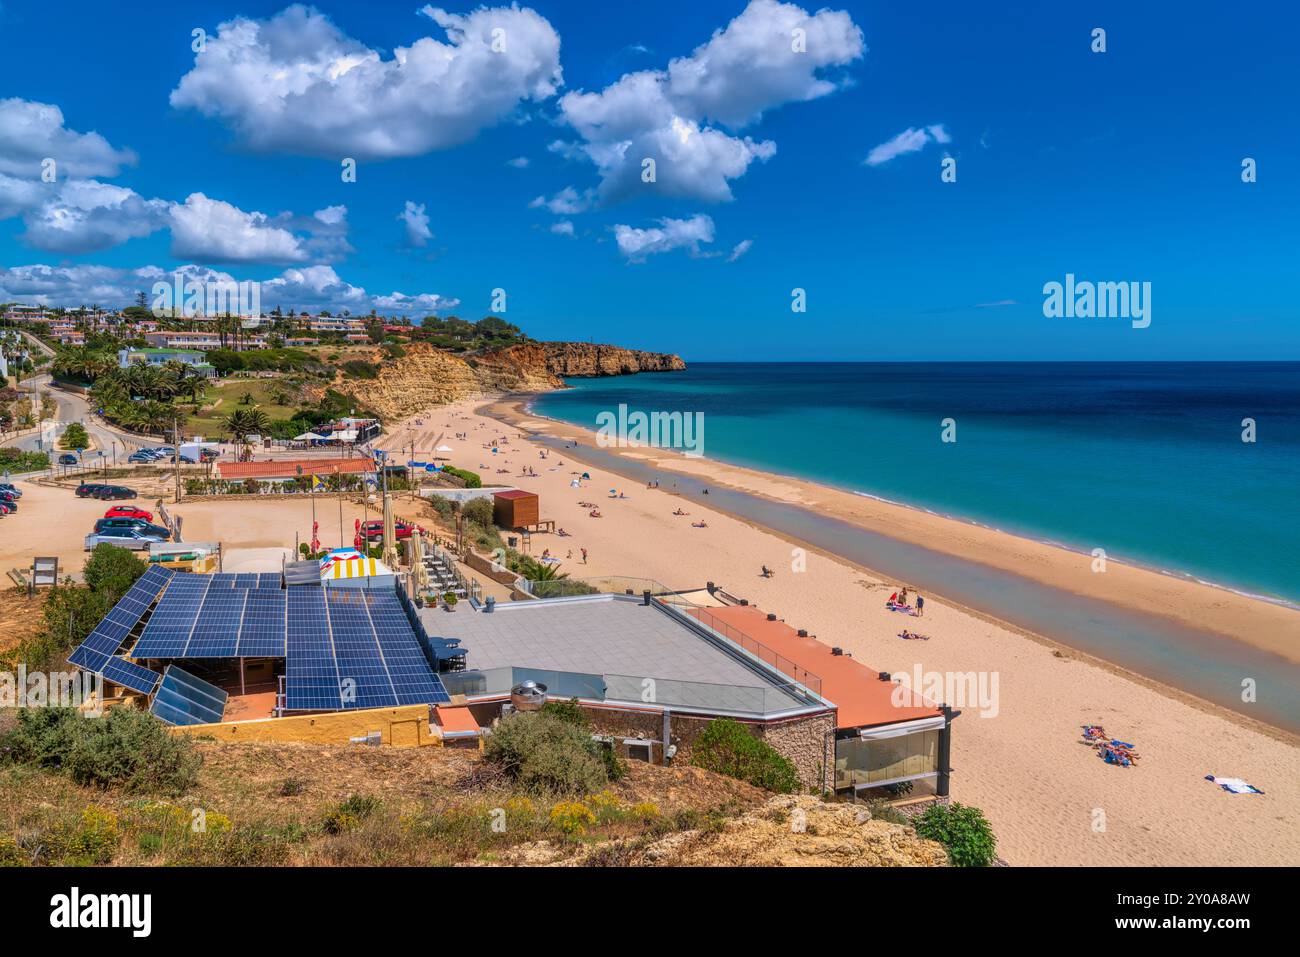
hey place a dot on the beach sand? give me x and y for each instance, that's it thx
(1050, 798)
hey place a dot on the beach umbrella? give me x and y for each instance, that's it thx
(443, 448)
(418, 571)
(390, 532)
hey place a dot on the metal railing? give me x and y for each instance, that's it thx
(748, 700)
(616, 585)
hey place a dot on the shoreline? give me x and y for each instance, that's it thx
(1225, 621)
(1017, 751)
(1246, 616)
(523, 407)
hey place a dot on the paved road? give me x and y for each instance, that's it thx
(73, 408)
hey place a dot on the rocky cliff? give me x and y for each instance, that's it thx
(425, 377)
(589, 359)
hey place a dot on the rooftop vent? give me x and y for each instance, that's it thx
(803, 632)
(837, 650)
(884, 676)
(771, 616)
(528, 695)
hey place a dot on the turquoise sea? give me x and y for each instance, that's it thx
(1144, 460)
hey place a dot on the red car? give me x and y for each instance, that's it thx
(375, 530)
(128, 511)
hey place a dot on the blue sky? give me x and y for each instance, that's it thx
(1115, 166)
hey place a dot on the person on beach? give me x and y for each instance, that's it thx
(767, 572)
(920, 607)
(584, 556)
(902, 596)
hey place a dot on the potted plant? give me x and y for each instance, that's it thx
(449, 600)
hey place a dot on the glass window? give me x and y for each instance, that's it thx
(861, 761)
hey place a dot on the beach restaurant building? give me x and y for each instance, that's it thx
(653, 669)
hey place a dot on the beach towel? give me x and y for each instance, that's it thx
(1233, 785)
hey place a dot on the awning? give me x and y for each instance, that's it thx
(458, 722)
(902, 728)
(309, 436)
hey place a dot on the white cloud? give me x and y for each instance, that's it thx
(309, 287)
(519, 162)
(31, 132)
(211, 230)
(567, 202)
(909, 141)
(86, 215)
(636, 244)
(563, 228)
(417, 224)
(744, 70)
(296, 83)
(422, 304)
(740, 249)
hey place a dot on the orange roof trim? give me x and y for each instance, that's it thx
(861, 699)
(289, 468)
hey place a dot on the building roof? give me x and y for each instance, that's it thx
(292, 468)
(623, 641)
(860, 697)
(514, 494)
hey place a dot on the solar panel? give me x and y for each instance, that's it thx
(263, 631)
(365, 679)
(172, 622)
(103, 642)
(268, 579)
(216, 630)
(185, 699)
(246, 580)
(413, 679)
(311, 672)
(130, 675)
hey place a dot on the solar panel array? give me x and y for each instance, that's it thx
(354, 648)
(344, 647)
(185, 699)
(97, 652)
(217, 616)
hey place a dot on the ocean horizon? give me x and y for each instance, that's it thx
(1145, 460)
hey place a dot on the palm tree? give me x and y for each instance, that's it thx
(245, 422)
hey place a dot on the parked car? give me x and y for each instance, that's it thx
(108, 524)
(375, 530)
(141, 458)
(67, 458)
(128, 511)
(208, 455)
(6, 508)
(89, 489)
(12, 489)
(134, 538)
(185, 459)
(10, 504)
(108, 492)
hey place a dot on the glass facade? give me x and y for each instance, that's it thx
(862, 761)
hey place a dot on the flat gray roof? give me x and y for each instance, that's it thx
(619, 638)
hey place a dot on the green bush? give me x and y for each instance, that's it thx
(571, 713)
(479, 511)
(726, 747)
(360, 369)
(16, 461)
(125, 749)
(74, 437)
(963, 830)
(113, 570)
(471, 479)
(546, 754)
(346, 815)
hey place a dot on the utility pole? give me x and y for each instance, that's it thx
(176, 454)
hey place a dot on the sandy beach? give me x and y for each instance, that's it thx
(1050, 798)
